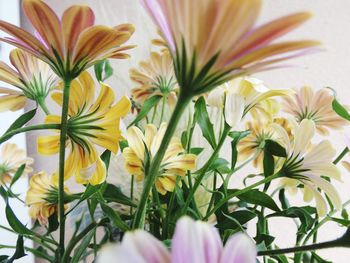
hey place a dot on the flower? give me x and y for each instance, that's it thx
(91, 122)
(11, 159)
(241, 95)
(33, 77)
(214, 41)
(144, 146)
(71, 44)
(193, 242)
(306, 163)
(316, 106)
(42, 197)
(154, 77)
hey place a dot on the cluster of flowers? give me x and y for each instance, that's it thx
(190, 97)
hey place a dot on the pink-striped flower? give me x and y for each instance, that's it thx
(213, 41)
(70, 44)
(193, 242)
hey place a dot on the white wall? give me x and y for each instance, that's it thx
(9, 11)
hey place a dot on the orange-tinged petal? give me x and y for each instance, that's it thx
(104, 99)
(74, 21)
(272, 50)
(9, 76)
(48, 145)
(96, 41)
(26, 40)
(270, 31)
(46, 22)
(125, 27)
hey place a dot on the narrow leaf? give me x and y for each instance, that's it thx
(146, 107)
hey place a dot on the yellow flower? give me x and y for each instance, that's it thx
(214, 41)
(42, 197)
(91, 123)
(11, 159)
(316, 106)
(154, 77)
(144, 146)
(70, 44)
(241, 95)
(33, 77)
(306, 163)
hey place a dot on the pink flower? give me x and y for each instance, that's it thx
(213, 41)
(193, 242)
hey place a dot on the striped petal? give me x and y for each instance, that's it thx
(74, 21)
(9, 76)
(46, 23)
(136, 142)
(11, 100)
(48, 145)
(97, 40)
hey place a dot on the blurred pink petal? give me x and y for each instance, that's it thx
(195, 242)
(239, 249)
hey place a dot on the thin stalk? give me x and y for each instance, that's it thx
(11, 133)
(63, 137)
(239, 192)
(341, 155)
(328, 244)
(205, 168)
(43, 106)
(163, 108)
(154, 168)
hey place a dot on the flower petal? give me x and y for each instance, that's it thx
(239, 249)
(75, 20)
(137, 247)
(195, 242)
(48, 145)
(46, 22)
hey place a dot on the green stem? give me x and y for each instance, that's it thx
(163, 108)
(43, 106)
(205, 168)
(11, 133)
(341, 155)
(154, 168)
(63, 136)
(239, 192)
(328, 244)
(79, 237)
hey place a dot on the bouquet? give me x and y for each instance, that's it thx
(190, 166)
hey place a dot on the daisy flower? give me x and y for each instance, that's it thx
(144, 146)
(42, 197)
(306, 163)
(11, 159)
(31, 76)
(214, 41)
(193, 242)
(316, 106)
(70, 44)
(91, 123)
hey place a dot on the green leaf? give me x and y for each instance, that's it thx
(235, 219)
(81, 249)
(40, 252)
(19, 252)
(219, 163)
(203, 121)
(18, 174)
(103, 70)
(343, 222)
(303, 213)
(113, 193)
(236, 136)
(196, 150)
(53, 223)
(21, 120)
(344, 214)
(340, 110)
(268, 163)
(275, 148)
(106, 157)
(114, 217)
(257, 197)
(146, 107)
(281, 258)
